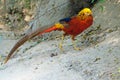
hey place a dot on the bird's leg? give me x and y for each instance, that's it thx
(74, 44)
(60, 45)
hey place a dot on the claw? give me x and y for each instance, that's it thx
(76, 48)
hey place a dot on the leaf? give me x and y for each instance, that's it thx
(102, 0)
(92, 1)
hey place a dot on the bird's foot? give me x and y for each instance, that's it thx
(74, 45)
(61, 47)
(76, 48)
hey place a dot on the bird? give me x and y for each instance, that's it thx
(72, 26)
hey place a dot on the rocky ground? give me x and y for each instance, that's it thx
(41, 59)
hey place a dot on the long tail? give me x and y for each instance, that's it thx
(29, 36)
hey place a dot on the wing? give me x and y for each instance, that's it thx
(65, 20)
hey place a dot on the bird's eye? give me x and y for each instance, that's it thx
(87, 12)
(83, 14)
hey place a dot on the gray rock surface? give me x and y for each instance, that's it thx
(99, 58)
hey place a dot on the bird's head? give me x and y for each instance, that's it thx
(85, 12)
